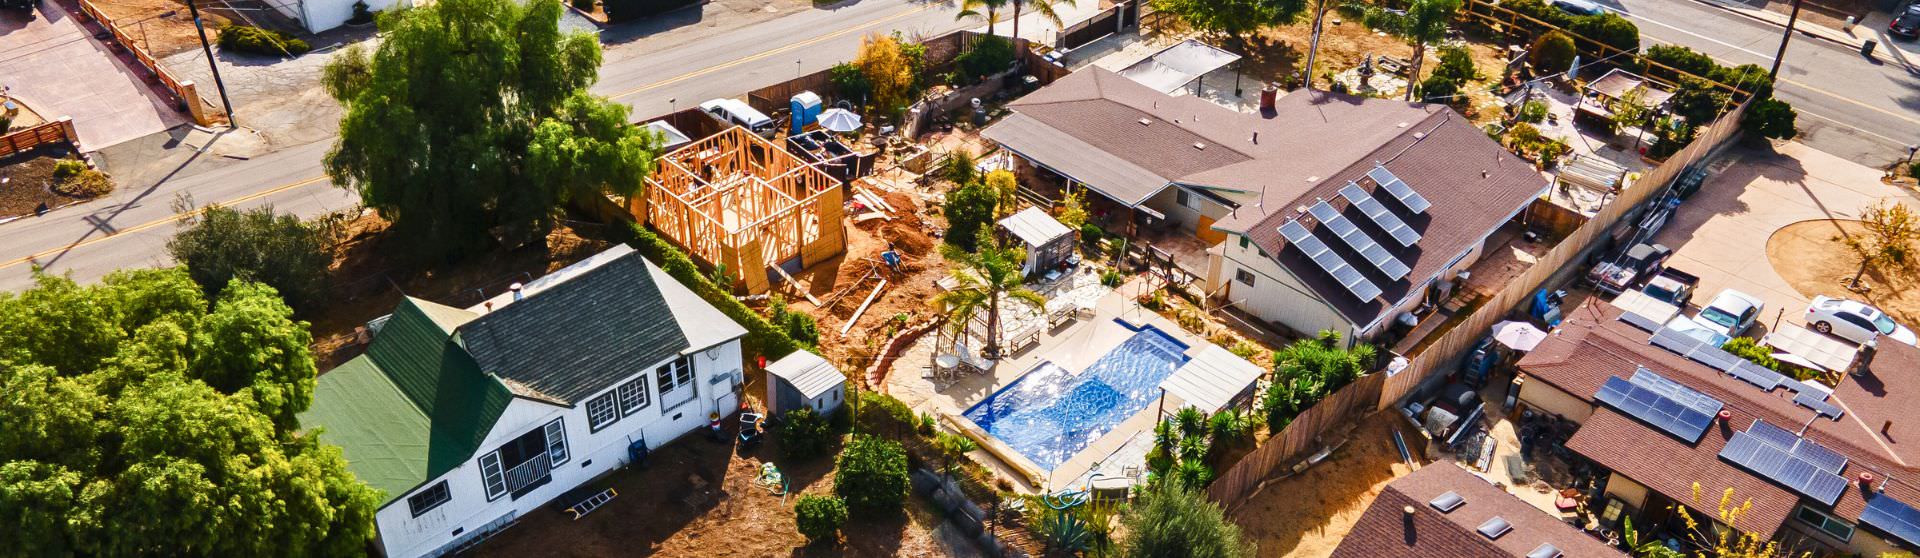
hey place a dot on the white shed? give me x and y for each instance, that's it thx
(1048, 242)
(803, 379)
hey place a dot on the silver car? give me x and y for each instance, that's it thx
(1854, 321)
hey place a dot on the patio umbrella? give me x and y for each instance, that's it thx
(1573, 71)
(1519, 336)
(839, 120)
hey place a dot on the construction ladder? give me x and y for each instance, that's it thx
(592, 503)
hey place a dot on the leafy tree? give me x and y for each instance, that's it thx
(1769, 118)
(1698, 101)
(989, 55)
(1892, 228)
(969, 210)
(1423, 22)
(473, 122)
(1456, 65)
(850, 82)
(1174, 521)
(1006, 188)
(1609, 29)
(1436, 89)
(1750, 78)
(872, 475)
(1233, 18)
(1683, 59)
(124, 448)
(347, 72)
(222, 243)
(984, 9)
(888, 71)
(1553, 52)
(962, 167)
(805, 434)
(986, 277)
(819, 517)
(1073, 210)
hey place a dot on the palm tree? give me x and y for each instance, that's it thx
(1424, 21)
(985, 276)
(971, 8)
(1043, 7)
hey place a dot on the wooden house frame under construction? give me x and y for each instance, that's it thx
(741, 202)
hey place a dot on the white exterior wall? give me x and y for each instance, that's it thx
(321, 15)
(1276, 295)
(589, 454)
(1167, 202)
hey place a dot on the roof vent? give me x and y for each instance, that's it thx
(1419, 135)
(1313, 179)
(1198, 145)
(1495, 527)
(1146, 121)
(1545, 550)
(1448, 502)
(1402, 125)
(517, 295)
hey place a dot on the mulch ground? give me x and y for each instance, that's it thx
(26, 179)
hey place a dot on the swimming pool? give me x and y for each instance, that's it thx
(1049, 414)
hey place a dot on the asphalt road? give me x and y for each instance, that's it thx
(131, 227)
(1861, 109)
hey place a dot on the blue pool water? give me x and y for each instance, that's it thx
(1049, 414)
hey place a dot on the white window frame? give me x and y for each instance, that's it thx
(1826, 519)
(556, 434)
(673, 376)
(602, 411)
(633, 396)
(495, 482)
(439, 489)
(1186, 199)
(1243, 276)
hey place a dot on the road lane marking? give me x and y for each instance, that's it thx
(764, 54)
(1763, 56)
(157, 222)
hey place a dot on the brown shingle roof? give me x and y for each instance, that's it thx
(1384, 531)
(1592, 344)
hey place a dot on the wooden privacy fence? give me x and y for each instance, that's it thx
(1105, 22)
(1379, 391)
(1499, 20)
(35, 136)
(184, 91)
(1297, 438)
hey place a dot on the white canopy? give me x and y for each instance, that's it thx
(1034, 227)
(1823, 352)
(1169, 70)
(1212, 378)
(1519, 336)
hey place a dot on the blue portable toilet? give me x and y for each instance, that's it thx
(806, 110)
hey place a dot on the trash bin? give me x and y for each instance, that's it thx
(1866, 48)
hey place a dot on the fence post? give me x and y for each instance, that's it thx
(195, 109)
(72, 134)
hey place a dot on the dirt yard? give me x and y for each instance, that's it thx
(1813, 257)
(1278, 52)
(696, 498)
(162, 27)
(26, 180)
(1306, 515)
(844, 283)
(365, 282)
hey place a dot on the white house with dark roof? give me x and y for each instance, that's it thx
(468, 419)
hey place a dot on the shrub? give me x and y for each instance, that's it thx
(850, 82)
(1437, 89)
(872, 475)
(990, 55)
(1533, 112)
(797, 325)
(1091, 233)
(969, 210)
(1746, 77)
(1173, 520)
(254, 40)
(1456, 65)
(87, 183)
(1553, 52)
(280, 250)
(879, 412)
(1683, 59)
(819, 517)
(1609, 29)
(1769, 118)
(1699, 101)
(624, 10)
(68, 168)
(804, 434)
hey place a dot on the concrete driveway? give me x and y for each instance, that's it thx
(1721, 233)
(56, 67)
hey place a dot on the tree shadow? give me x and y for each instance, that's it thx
(629, 31)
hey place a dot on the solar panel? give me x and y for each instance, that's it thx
(1675, 340)
(1400, 190)
(1644, 323)
(1763, 459)
(1715, 357)
(1332, 263)
(1387, 221)
(1680, 418)
(1675, 391)
(1817, 401)
(1359, 241)
(1757, 375)
(1894, 517)
(1807, 450)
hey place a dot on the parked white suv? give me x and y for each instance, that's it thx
(1730, 313)
(1854, 321)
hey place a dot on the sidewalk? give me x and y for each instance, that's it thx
(1873, 28)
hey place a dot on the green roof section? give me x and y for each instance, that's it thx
(414, 406)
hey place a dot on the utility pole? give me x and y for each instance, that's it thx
(217, 83)
(1313, 44)
(1784, 37)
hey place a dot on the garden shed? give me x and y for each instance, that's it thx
(804, 380)
(1047, 241)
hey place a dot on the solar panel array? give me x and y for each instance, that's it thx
(1332, 263)
(1400, 190)
(1644, 323)
(1387, 221)
(1675, 340)
(1807, 450)
(1780, 465)
(1359, 241)
(1661, 403)
(1894, 517)
(1757, 375)
(1817, 401)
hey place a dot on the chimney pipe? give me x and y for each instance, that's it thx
(1863, 360)
(1408, 510)
(1886, 426)
(517, 295)
(489, 306)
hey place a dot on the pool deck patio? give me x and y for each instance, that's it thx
(1073, 346)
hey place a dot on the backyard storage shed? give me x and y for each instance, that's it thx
(803, 379)
(1047, 241)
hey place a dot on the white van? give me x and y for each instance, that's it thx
(738, 112)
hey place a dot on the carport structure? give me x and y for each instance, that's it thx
(740, 203)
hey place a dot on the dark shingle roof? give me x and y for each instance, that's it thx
(1384, 531)
(580, 336)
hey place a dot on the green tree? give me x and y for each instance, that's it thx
(473, 124)
(1233, 18)
(1456, 65)
(986, 277)
(1553, 52)
(1006, 189)
(1423, 22)
(1073, 210)
(1699, 102)
(1683, 59)
(804, 434)
(961, 167)
(988, 10)
(819, 517)
(1174, 521)
(251, 343)
(1609, 29)
(989, 55)
(1769, 118)
(970, 210)
(872, 475)
(221, 244)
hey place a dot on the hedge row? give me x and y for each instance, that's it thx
(762, 337)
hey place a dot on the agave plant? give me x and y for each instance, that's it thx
(1065, 533)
